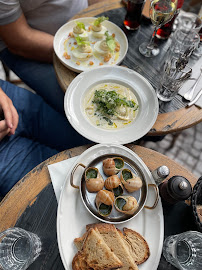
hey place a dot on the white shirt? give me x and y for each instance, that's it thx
(44, 15)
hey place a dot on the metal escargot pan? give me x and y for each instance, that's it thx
(115, 217)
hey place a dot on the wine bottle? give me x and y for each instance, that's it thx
(165, 31)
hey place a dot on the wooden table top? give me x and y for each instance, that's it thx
(26, 191)
(168, 122)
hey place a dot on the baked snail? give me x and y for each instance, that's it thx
(104, 202)
(126, 204)
(113, 165)
(93, 179)
(130, 181)
(114, 184)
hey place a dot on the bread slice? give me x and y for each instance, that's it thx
(137, 245)
(79, 262)
(96, 253)
(116, 244)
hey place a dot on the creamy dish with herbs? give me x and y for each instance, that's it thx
(110, 106)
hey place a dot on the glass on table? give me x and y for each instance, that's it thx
(171, 81)
(183, 43)
(161, 12)
(18, 249)
(184, 250)
(188, 21)
(134, 13)
(176, 70)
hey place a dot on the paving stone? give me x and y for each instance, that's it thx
(198, 145)
(195, 152)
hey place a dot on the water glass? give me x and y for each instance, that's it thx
(184, 250)
(188, 21)
(18, 249)
(172, 79)
(183, 43)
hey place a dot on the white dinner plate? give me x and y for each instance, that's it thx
(72, 215)
(62, 35)
(144, 92)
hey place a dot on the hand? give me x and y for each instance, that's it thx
(10, 123)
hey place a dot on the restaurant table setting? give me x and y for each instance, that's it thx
(161, 210)
(60, 201)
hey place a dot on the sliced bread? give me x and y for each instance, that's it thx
(79, 262)
(96, 253)
(137, 245)
(115, 243)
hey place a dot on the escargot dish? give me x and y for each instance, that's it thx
(126, 204)
(104, 202)
(113, 165)
(114, 184)
(93, 179)
(130, 181)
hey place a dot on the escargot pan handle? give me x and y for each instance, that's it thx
(72, 174)
(157, 196)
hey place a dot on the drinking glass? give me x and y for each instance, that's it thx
(161, 12)
(134, 13)
(18, 249)
(184, 250)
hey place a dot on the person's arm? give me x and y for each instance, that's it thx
(25, 41)
(9, 124)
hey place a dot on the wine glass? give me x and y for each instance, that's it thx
(161, 12)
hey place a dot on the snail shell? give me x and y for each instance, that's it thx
(104, 202)
(114, 184)
(126, 204)
(94, 180)
(113, 165)
(130, 181)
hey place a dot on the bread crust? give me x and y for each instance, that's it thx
(140, 241)
(95, 254)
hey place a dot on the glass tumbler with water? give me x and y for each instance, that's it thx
(18, 249)
(184, 250)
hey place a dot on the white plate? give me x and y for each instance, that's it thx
(72, 215)
(144, 92)
(63, 32)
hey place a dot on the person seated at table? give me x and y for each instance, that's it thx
(27, 30)
(30, 132)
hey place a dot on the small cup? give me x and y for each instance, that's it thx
(134, 14)
(189, 21)
(18, 249)
(171, 80)
(184, 250)
(183, 42)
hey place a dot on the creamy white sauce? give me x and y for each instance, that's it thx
(123, 116)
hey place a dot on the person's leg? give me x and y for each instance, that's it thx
(18, 156)
(38, 76)
(39, 121)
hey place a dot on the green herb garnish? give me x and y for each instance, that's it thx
(108, 101)
(99, 20)
(80, 25)
(110, 41)
(80, 41)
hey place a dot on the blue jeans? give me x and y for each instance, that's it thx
(41, 133)
(38, 76)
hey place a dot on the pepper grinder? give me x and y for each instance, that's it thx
(175, 189)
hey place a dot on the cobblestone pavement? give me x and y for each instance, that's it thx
(187, 149)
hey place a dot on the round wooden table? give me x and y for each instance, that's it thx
(169, 122)
(26, 191)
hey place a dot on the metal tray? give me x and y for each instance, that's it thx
(88, 198)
